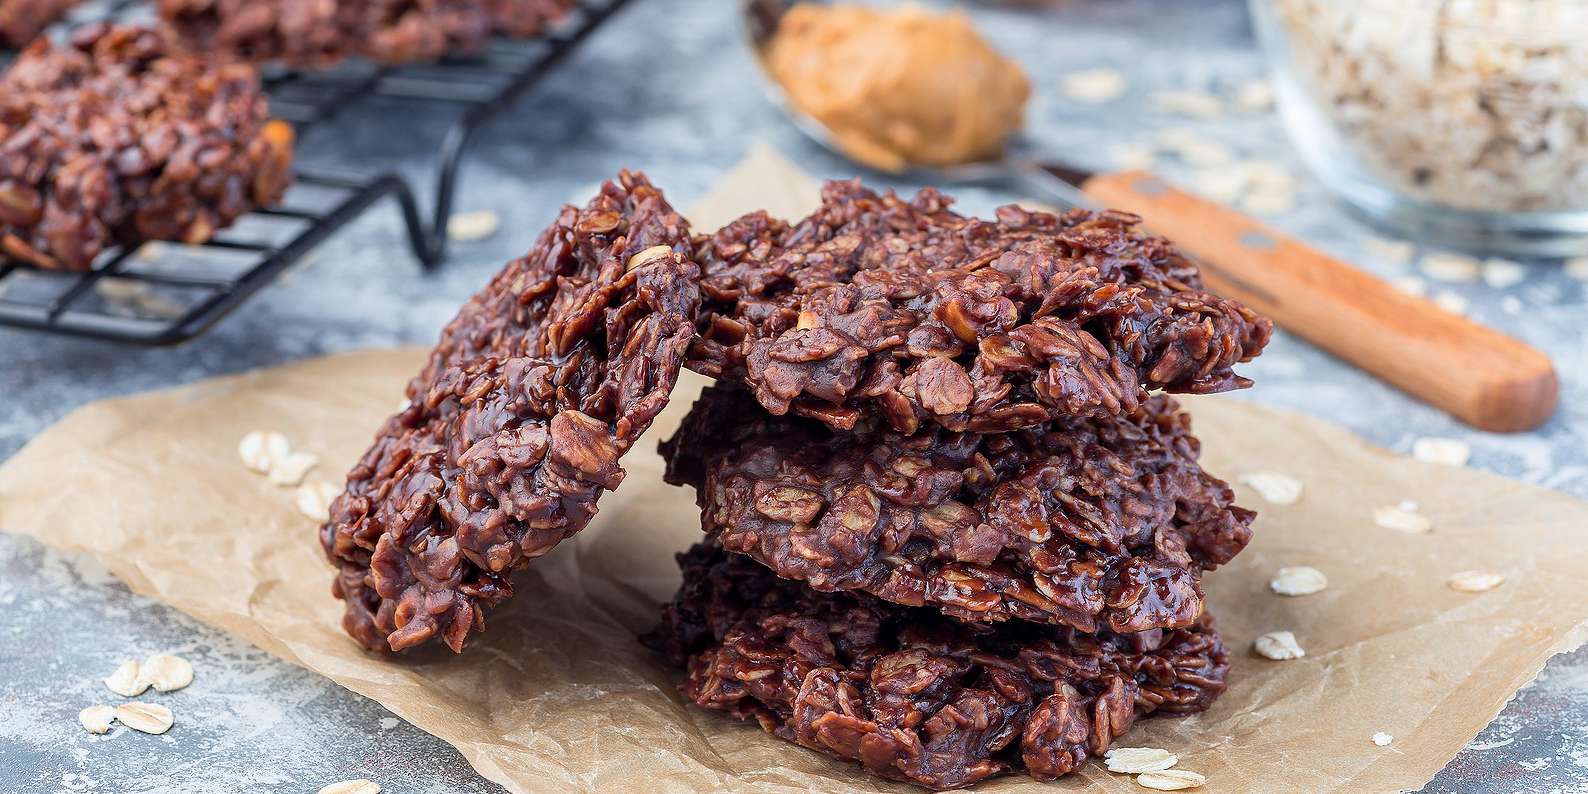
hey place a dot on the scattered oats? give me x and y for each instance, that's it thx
(1195, 149)
(125, 681)
(1382, 739)
(1275, 488)
(1224, 185)
(150, 251)
(1475, 581)
(96, 719)
(260, 450)
(1510, 304)
(359, 786)
(1268, 176)
(1446, 266)
(1170, 780)
(387, 723)
(1136, 760)
(468, 227)
(1196, 104)
(1133, 157)
(1411, 285)
(1094, 86)
(1577, 268)
(1451, 302)
(138, 298)
(1389, 252)
(166, 673)
(1298, 580)
(1449, 451)
(293, 468)
(1269, 203)
(1402, 520)
(315, 498)
(1254, 96)
(1503, 273)
(1279, 646)
(145, 717)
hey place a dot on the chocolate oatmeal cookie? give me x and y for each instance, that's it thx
(518, 422)
(878, 306)
(915, 696)
(313, 33)
(1096, 524)
(22, 20)
(117, 138)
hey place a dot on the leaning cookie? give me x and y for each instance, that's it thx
(518, 422)
(915, 696)
(1095, 524)
(874, 306)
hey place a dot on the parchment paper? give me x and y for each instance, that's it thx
(558, 695)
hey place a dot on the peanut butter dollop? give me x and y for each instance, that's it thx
(899, 86)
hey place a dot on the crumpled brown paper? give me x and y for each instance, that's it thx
(557, 695)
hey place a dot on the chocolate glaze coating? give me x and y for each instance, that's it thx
(1089, 523)
(913, 695)
(517, 423)
(878, 306)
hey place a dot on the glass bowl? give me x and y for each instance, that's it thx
(1461, 122)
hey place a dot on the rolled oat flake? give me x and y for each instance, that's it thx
(1136, 760)
(1170, 780)
(1279, 646)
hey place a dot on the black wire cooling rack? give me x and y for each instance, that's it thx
(166, 293)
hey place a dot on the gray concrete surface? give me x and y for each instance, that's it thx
(667, 88)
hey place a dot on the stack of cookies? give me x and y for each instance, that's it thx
(949, 531)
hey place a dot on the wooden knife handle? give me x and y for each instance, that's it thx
(1483, 377)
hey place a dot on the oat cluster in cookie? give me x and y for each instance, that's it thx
(516, 425)
(1092, 523)
(900, 309)
(117, 137)
(911, 694)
